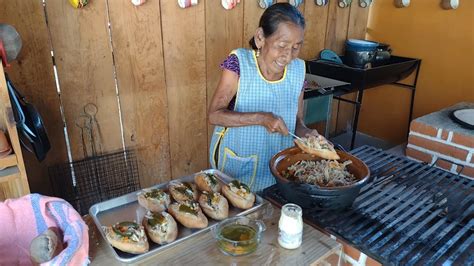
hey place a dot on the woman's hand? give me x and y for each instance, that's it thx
(273, 123)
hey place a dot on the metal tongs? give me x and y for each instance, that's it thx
(296, 137)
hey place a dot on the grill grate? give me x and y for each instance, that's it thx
(97, 179)
(410, 213)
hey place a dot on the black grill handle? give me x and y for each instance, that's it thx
(449, 161)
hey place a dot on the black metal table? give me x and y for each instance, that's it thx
(391, 72)
(408, 214)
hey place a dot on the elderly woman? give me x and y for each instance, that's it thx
(259, 99)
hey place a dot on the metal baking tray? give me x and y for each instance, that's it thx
(126, 208)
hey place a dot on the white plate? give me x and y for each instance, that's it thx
(465, 116)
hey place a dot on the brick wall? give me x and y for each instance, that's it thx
(435, 138)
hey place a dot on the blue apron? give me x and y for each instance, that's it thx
(244, 152)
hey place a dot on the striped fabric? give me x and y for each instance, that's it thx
(25, 218)
(244, 152)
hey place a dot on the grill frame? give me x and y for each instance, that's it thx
(409, 213)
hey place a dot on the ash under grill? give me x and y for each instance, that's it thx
(409, 213)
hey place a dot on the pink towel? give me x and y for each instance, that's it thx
(25, 218)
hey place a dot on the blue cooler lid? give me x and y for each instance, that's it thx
(354, 44)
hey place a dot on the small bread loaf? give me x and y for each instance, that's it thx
(155, 200)
(46, 246)
(188, 214)
(128, 237)
(160, 227)
(214, 205)
(207, 182)
(239, 194)
(319, 146)
(183, 191)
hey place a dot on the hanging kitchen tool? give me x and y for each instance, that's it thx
(402, 3)
(83, 123)
(344, 3)
(265, 3)
(295, 3)
(138, 2)
(365, 3)
(450, 4)
(10, 43)
(97, 178)
(91, 110)
(187, 3)
(229, 4)
(33, 134)
(321, 2)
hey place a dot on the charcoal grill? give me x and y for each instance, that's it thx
(408, 214)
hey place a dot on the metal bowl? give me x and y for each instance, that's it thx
(312, 196)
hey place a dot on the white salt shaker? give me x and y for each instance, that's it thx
(290, 226)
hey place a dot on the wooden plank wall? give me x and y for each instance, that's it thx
(151, 74)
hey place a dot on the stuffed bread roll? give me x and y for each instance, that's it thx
(207, 182)
(319, 146)
(183, 191)
(160, 227)
(155, 200)
(188, 214)
(128, 237)
(239, 194)
(214, 205)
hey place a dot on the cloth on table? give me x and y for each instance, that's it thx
(25, 218)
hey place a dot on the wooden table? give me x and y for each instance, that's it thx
(202, 249)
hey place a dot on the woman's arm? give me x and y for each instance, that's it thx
(301, 129)
(220, 115)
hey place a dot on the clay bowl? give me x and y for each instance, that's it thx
(312, 196)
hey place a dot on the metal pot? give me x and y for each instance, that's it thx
(362, 53)
(312, 196)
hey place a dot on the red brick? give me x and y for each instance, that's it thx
(419, 155)
(446, 165)
(464, 140)
(444, 134)
(439, 147)
(372, 262)
(355, 254)
(351, 251)
(468, 171)
(423, 128)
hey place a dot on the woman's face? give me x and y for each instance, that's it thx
(278, 49)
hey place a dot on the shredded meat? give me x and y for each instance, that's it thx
(324, 173)
(317, 143)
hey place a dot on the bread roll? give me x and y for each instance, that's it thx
(46, 246)
(214, 205)
(207, 182)
(239, 194)
(188, 214)
(160, 227)
(155, 200)
(319, 146)
(183, 191)
(128, 237)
